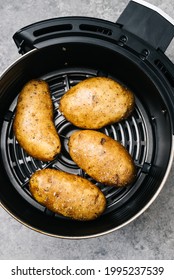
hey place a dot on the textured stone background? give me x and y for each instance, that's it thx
(151, 236)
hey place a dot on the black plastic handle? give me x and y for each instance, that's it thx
(154, 28)
(48, 32)
(148, 23)
(29, 36)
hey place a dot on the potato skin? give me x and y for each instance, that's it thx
(67, 194)
(33, 123)
(96, 102)
(102, 158)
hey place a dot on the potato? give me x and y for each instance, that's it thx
(33, 123)
(102, 158)
(67, 194)
(96, 102)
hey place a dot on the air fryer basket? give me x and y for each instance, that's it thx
(64, 52)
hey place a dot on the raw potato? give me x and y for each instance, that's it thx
(67, 194)
(102, 158)
(33, 124)
(96, 102)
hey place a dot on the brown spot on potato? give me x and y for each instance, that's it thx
(102, 141)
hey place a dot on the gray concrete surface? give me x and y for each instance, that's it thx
(151, 236)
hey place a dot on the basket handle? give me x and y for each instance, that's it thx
(139, 18)
(148, 23)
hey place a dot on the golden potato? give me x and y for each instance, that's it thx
(102, 158)
(33, 123)
(67, 194)
(96, 102)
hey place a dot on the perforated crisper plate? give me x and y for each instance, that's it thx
(132, 133)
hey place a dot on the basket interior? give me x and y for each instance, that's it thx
(145, 134)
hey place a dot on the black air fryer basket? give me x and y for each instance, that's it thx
(65, 51)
